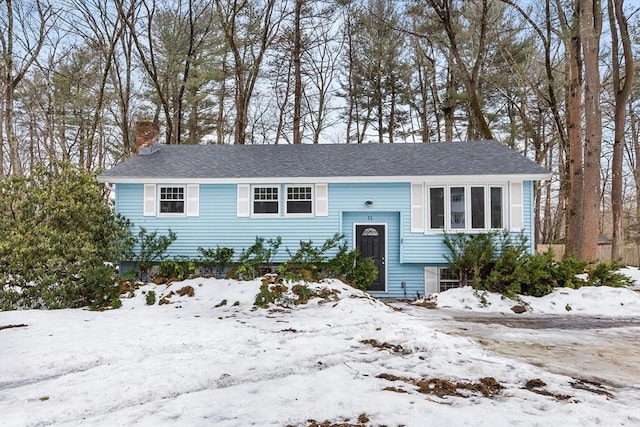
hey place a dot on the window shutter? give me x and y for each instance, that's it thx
(517, 221)
(430, 280)
(244, 200)
(322, 200)
(193, 200)
(417, 207)
(149, 200)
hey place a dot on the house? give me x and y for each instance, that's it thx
(392, 201)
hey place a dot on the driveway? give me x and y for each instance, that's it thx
(602, 350)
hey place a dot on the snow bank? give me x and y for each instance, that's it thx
(214, 359)
(586, 301)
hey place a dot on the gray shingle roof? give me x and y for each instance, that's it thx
(325, 160)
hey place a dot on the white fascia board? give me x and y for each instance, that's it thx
(482, 179)
(429, 179)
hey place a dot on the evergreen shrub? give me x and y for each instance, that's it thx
(60, 240)
(258, 255)
(218, 259)
(496, 262)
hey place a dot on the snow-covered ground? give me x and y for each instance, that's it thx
(585, 301)
(214, 360)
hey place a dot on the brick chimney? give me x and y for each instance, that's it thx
(147, 137)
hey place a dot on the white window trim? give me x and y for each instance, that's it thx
(252, 201)
(467, 213)
(159, 188)
(319, 200)
(312, 201)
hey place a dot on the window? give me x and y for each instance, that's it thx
(436, 207)
(466, 208)
(265, 200)
(457, 208)
(448, 279)
(172, 200)
(477, 207)
(496, 207)
(299, 200)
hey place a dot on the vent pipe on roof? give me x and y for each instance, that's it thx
(147, 137)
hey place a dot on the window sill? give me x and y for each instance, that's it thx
(171, 215)
(465, 230)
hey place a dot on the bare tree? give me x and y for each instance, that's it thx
(104, 30)
(297, 70)
(621, 89)
(469, 74)
(20, 49)
(248, 34)
(320, 66)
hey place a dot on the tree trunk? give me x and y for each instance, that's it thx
(590, 31)
(220, 126)
(297, 90)
(621, 93)
(448, 107)
(10, 86)
(573, 82)
(635, 140)
(2, 112)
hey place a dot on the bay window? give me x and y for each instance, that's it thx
(457, 208)
(436, 208)
(465, 207)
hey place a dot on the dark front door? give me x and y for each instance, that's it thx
(370, 242)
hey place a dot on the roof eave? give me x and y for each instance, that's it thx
(436, 179)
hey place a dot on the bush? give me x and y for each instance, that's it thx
(604, 274)
(150, 298)
(565, 273)
(60, 240)
(349, 267)
(219, 259)
(363, 274)
(268, 295)
(178, 268)
(150, 249)
(260, 254)
(537, 275)
(495, 263)
(490, 261)
(309, 262)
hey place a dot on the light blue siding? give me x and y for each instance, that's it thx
(529, 217)
(218, 225)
